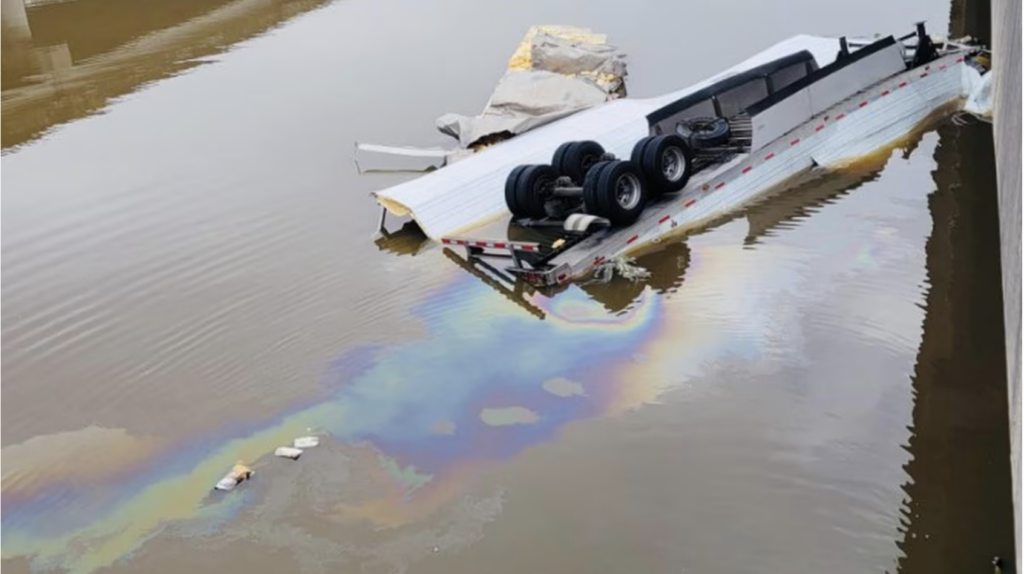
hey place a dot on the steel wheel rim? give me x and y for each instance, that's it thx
(673, 164)
(544, 187)
(627, 191)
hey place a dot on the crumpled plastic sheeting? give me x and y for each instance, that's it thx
(979, 102)
(555, 72)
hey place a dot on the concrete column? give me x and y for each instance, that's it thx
(1006, 39)
(15, 20)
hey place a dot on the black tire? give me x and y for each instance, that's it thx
(593, 203)
(559, 155)
(533, 189)
(578, 158)
(706, 132)
(621, 192)
(511, 201)
(637, 156)
(666, 162)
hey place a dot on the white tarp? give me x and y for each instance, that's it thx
(470, 192)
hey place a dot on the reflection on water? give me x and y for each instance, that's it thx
(407, 240)
(67, 60)
(956, 517)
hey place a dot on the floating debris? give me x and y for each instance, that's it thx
(306, 442)
(239, 474)
(624, 266)
(288, 452)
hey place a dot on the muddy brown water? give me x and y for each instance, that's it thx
(814, 385)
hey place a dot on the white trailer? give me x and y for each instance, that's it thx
(693, 156)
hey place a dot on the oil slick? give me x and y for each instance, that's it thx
(507, 416)
(498, 381)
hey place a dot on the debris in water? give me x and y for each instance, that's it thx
(306, 442)
(625, 266)
(288, 452)
(239, 474)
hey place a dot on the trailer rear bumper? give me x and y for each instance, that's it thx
(528, 260)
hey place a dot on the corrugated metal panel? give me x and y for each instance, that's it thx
(893, 109)
(470, 192)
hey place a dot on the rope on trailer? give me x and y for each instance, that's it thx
(624, 266)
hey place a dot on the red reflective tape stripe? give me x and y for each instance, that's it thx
(924, 75)
(748, 168)
(819, 128)
(720, 185)
(499, 245)
(528, 248)
(691, 202)
(862, 104)
(885, 93)
(903, 84)
(840, 116)
(481, 244)
(632, 239)
(561, 277)
(598, 260)
(459, 242)
(446, 241)
(769, 156)
(960, 59)
(663, 219)
(794, 142)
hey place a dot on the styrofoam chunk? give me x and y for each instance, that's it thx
(239, 473)
(226, 483)
(306, 442)
(288, 452)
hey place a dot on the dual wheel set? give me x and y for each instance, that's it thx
(583, 177)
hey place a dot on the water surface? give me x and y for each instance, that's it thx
(813, 385)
